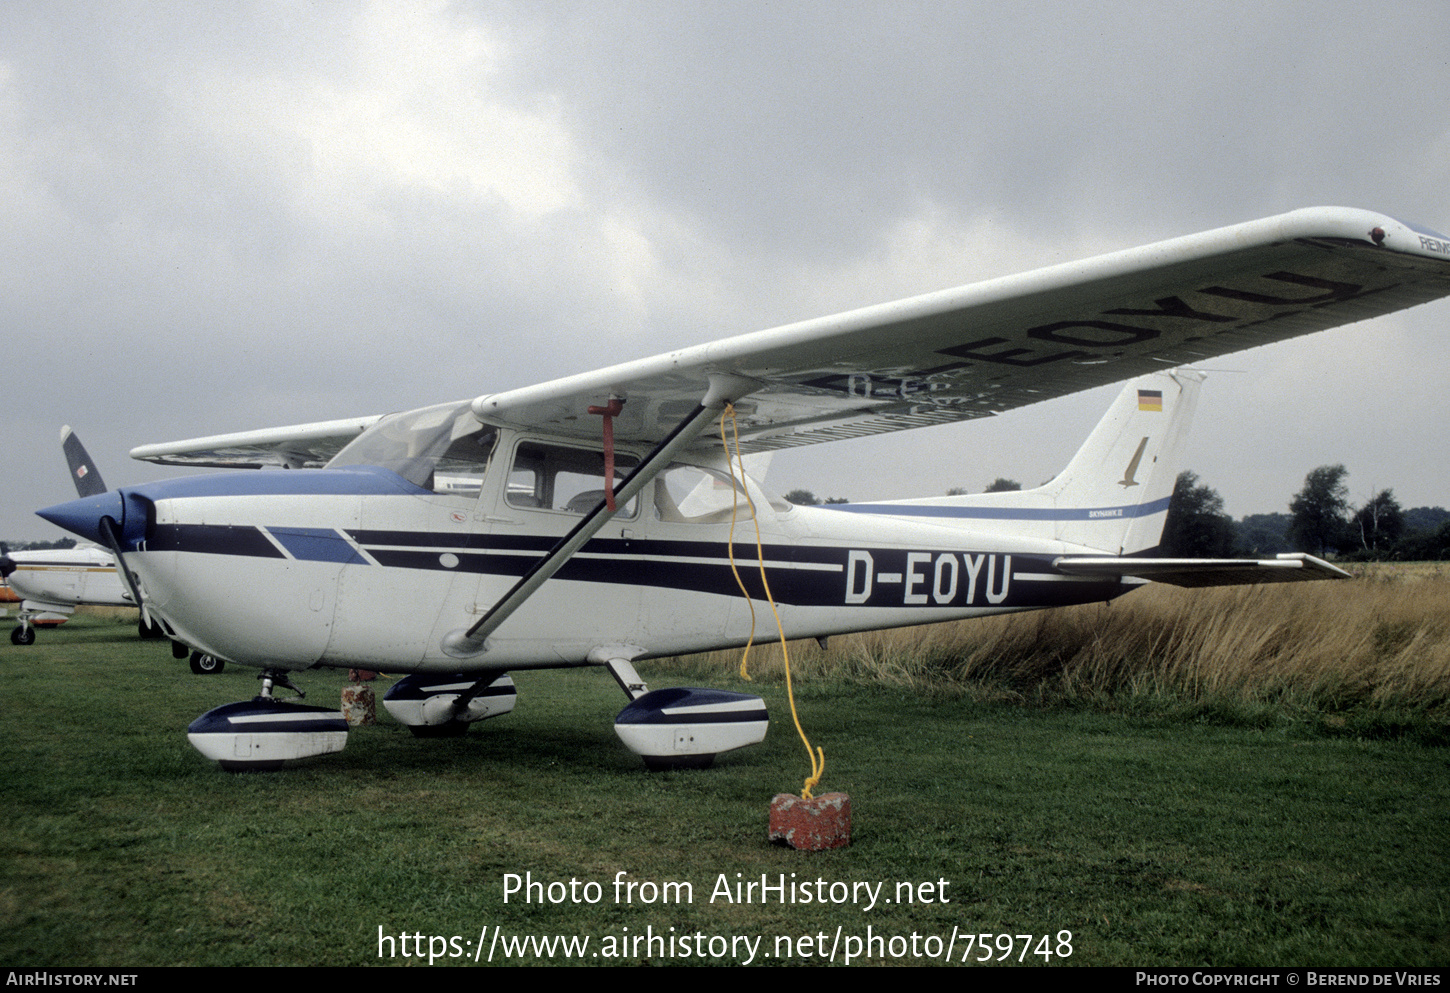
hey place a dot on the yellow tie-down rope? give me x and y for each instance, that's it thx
(817, 755)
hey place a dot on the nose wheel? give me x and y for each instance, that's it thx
(206, 665)
(23, 635)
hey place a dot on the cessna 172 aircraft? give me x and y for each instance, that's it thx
(588, 520)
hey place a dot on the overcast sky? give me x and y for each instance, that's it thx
(228, 216)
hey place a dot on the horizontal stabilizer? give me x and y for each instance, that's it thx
(1293, 567)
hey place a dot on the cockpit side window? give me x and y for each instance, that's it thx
(463, 464)
(692, 494)
(568, 480)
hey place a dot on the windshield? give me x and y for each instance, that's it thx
(442, 448)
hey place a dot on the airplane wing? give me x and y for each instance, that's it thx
(1286, 568)
(301, 446)
(994, 346)
(983, 349)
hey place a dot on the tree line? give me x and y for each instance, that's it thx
(36, 546)
(1321, 521)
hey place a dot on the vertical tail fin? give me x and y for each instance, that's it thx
(1114, 493)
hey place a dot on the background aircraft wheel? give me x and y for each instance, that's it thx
(453, 729)
(205, 665)
(152, 630)
(22, 636)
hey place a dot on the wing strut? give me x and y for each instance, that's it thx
(465, 644)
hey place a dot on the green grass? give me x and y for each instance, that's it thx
(1181, 834)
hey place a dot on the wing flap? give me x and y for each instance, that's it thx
(1286, 568)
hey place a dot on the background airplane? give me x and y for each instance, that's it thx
(49, 584)
(8, 595)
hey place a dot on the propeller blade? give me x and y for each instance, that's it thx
(87, 477)
(83, 470)
(112, 534)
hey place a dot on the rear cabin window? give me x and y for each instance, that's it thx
(687, 494)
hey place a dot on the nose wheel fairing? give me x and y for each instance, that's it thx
(263, 734)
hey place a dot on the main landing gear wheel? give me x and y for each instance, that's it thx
(443, 705)
(683, 727)
(206, 665)
(24, 635)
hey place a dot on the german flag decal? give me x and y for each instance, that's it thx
(1150, 400)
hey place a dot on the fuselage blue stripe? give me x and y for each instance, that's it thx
(800, 575)
(362, 480)
(1122, 512)
(317, 544)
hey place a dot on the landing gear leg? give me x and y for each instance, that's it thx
(628, 679)
(276, 677)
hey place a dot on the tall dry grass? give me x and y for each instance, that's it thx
(1381, 640)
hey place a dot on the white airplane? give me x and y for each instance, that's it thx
(588, 520)
(50, 584)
